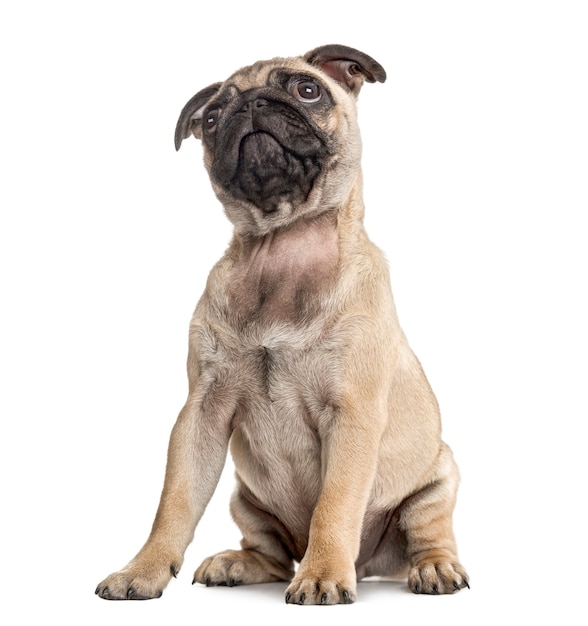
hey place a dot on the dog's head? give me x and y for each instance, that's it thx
(280, 137)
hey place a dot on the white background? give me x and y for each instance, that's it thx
(475, 163)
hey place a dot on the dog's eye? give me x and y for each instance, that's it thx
(211, 118)
(306, 91)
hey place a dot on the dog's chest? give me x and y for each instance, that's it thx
(286, 398)
(285, 275)
(270, 354)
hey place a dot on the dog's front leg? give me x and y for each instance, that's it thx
(327, 572)
(196, 456)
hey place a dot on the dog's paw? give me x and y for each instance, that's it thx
(139, 580)
(238, 567)
(437, 577)
(321, 589)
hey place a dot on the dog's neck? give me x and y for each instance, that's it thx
(279, 275)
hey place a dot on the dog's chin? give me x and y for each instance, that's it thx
(265, 173)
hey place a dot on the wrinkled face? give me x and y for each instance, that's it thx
(280, 141)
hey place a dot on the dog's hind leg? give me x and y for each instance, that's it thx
(266, 554)
(426, 519)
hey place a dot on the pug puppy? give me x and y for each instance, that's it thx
(297, 361)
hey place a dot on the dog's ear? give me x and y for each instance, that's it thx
(190, 120)
(347, 66)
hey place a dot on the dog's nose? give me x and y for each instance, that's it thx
(258, 103)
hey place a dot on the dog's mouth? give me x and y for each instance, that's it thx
(267, 156)
(267, 173)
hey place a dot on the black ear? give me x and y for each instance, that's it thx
(190, 120)
(347, 66)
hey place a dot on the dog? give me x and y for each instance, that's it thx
(297, 361)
